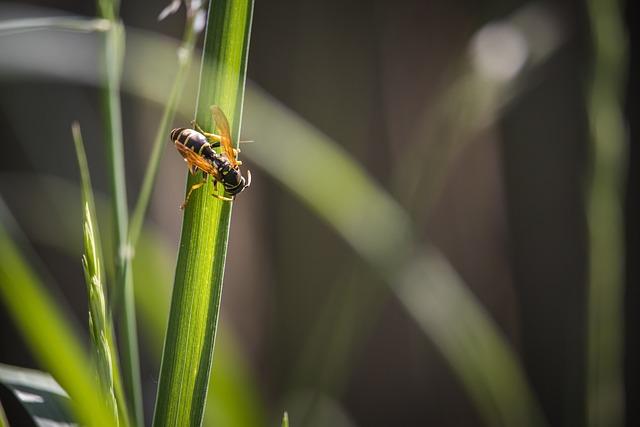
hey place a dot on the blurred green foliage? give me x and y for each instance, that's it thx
(384, 233)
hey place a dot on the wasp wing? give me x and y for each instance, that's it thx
(225, 133)
(194, 159)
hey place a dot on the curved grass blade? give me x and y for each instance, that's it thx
(38, 394)
(193, 319)
(417, 274)
(47, 332)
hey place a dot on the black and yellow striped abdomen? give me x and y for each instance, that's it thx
(194, 141)
(208, 160)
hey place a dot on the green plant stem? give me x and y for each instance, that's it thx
(123, 289)
(185, 55)
(100, 321)
(605, 379)
(188, 349)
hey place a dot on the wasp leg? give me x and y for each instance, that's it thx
(210, 136)
(193, 187)
(196, 126)
(218, 196)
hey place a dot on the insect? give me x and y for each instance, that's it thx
(197, 148)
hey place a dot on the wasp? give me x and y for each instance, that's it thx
(197, 148)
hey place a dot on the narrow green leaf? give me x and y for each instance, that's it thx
(285, 419)
(47, 332)
(188, 350)
(233, 399)
(100, 322)
(605, 378)
(185, 55)
(124, 303)
(15, 26)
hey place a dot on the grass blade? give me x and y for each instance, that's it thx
(123, 295)
(188, 350)
(418, 275)
(47, 332)
(285, 419)
(605, 378)
(45, 402)
(185, 54)
(100, 322)
(16, 26)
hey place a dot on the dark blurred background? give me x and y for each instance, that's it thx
(503, 199)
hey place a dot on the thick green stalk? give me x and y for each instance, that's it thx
(188, 349)
(605, 378)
